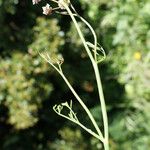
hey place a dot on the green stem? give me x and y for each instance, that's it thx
(84, 106)
(103, 105)
(97, 74)
(76, 95)
(81, 125)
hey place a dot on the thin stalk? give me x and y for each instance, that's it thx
(92, 31)
(76, 96)
(103, 105)
(97, 74)
(84, 106)
(82, 126)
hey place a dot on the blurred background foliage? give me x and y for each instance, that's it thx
(29, 87)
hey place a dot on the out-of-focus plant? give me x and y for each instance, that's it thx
(8, 6)
(127, 25)
(93, 7)
(70, 140)
(124, 29)
(23, 77)
(20, 89)
(45, 31)
(93, 51)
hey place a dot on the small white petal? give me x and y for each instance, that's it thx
(47, 9)
(35, 1)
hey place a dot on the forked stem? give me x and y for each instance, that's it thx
(94, 61)
(98, 79)
(59, 70)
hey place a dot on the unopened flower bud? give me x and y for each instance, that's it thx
(47, 10)
(60, 59)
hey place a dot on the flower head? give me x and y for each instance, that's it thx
(60, 3)
(35, 1)
(47, 10)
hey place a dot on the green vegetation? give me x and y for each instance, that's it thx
(29, 87)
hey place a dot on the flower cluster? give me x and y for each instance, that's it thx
(47, 9)
(61, 5)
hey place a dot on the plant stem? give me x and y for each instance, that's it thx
(82, 126)
(84, 107)
(97, 74)
(59, 70)
(103, 105)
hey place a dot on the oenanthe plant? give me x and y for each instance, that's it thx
(65, 7)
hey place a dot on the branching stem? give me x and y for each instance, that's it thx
(104, 138)
(97, 74)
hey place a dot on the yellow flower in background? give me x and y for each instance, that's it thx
(137, 55)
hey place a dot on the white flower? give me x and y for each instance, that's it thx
(47, 9)
(35, 1)
(60, 3)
